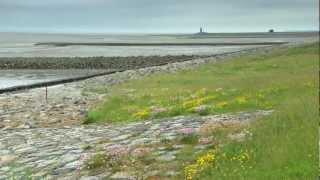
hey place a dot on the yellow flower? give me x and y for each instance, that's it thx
(202, 163)
(197, 102)
(221, 105)
(144, 114)
(190, 104)
(241, 100)
(202, 92)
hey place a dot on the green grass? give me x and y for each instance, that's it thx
(283, 145)
(245, 84)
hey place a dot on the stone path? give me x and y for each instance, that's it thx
(61, 152)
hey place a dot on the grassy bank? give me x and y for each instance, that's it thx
(282, 146)
(245, 84)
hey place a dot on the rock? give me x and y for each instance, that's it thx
(201, 147)
(178, 146)
(141, 141)
(205, 141)
(7, 159)
(90, 178)
(122, 137)
(202, 110)
(59, 151)
(172, 173)
(141, 152)
(157, 110)
(166, 157)
(239, 137)
(122, 176)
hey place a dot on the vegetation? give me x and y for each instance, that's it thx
(282, 146)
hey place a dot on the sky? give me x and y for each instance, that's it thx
(157, 16)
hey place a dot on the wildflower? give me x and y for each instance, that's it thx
(117, 150)
(192, 103)
(241, 100)
(202, 92)
(261, 96)
(221, 105)
(187, 131)
(267, 105)
(202, 163)
(144, 114)
(205, 140)
(140, 152)
(191, 171)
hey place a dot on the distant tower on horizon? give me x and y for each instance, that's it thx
(201, 32)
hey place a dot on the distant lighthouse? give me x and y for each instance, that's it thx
(201, 32)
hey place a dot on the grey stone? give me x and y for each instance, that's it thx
(122, 176)
(166, 157)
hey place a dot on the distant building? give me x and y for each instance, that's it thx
(201, 32)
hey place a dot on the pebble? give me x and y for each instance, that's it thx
(122, 176)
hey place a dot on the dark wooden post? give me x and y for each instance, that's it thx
(47, 94)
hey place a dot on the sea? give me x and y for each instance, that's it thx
(24, 45)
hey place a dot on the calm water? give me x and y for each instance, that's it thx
(11, 78)
(22, 45)
(18, 44)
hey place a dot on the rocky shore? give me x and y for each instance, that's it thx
(120, 63)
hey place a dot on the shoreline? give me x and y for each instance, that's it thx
(124, 64)
(67, 104)
(63, 44)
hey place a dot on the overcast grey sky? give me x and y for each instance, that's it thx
(157, 16)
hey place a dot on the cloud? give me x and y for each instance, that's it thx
(157, 16)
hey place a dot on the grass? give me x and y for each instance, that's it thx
(282, 146)
(245, 84)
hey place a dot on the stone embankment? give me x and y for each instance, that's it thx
(60, 153)
(121, 63)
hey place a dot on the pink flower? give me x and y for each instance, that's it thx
(205, 141)
(117, 150)
(140, 152)
(187, 131)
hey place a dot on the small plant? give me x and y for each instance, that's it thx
(97, 161)
(190, 139)
(143, 114)
(202, 110)
(222, 105)
(241, 100)
(86, 147)
(176, 111)
(188, 136)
